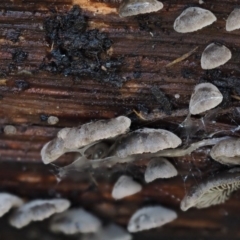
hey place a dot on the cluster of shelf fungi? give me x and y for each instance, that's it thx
(106, 143)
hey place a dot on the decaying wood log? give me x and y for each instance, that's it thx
(146, 46)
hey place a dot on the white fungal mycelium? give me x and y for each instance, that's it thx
(72, 139)
(125, 186)
(9, 130)
(75, 221)
(146, 140)
(134, 7)
(110, 232)
(227, 151)
(8, 201)
(150, 217)
(212, 191)
(205, 97)
(159, 168)
(52, 120)
(193, 19)
(37, 210)
(214, 56)
(233, 20)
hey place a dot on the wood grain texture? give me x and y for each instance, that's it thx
(146, 44)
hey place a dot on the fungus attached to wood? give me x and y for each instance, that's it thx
(52, 120)
(9, 130)
(159, 168)
(227, 151)
(75, 221)
(214, 56)
(125, 186)
(72, 139)
(212, 191)
(193, 19)
(205, 97)
(146, 140)
(37, 210)
(8, 201)
(233, 20)
(150, 217)
(135, 7)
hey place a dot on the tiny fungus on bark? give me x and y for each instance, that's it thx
(146, 140)
(227, 151)
(233, 20)
(52, 120)
(75, 221)
(214, 56)
(193, 19)
(37, 210)
(8, 201)
(159, 168)
(125, 186)
(150, 217)
(212, 191)
(205, 97)
(9, 130)
(135, 7)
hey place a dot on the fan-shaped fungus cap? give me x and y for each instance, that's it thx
(75, 221)
(110, 232)
(150, 217)
(193, 19)
(159, 168)
(74, 138)
(233, 20)
(125, 186)
(10, 130)
(135, 7)
(205, 97)
(146, 140)
(8, 201)
(227, 151)
(212, 191)
(214, 56)
(37, 210)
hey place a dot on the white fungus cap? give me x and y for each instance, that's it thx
(110, 232)
(74, 138)
(214, 56)
(205, 97)
(10, 130)
(212, 191)
(150, 217)
(75, 221)
(37, 210)
(8, 201)
(52, 120)
(159, 168)
(125, 186)
(193, 19)
(146, 140)
(227, 151)
(135, 7)
(233, 20)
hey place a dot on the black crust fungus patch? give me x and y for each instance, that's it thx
(19, 56)
(77, 51)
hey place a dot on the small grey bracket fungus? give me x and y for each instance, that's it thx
(52, 120)
(159, 168)
(193, 19)
(71, 139)
(233, 20)
(146, 140)
(8, 201)
(9, 130)
(125, 186)
(212, 191)
(205, 97)
(110, 232)
(134, 7)
(37, 210)
(75, 221)
(227, 151)
(150, 217)
(215, 55)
